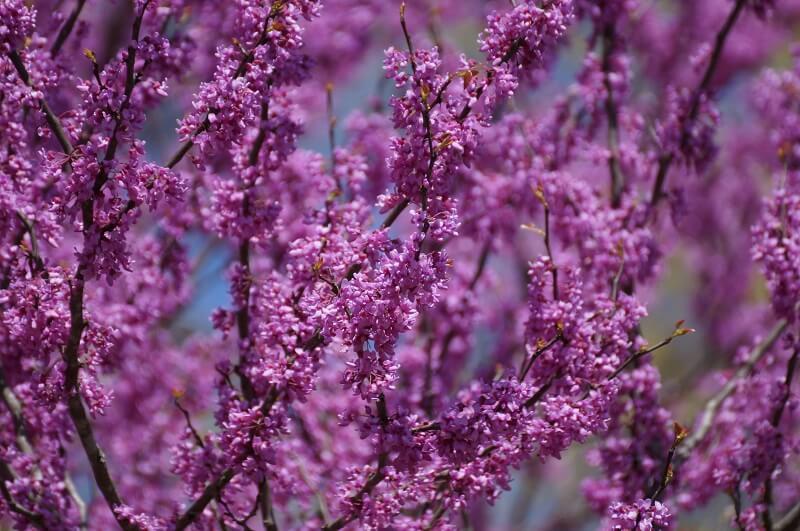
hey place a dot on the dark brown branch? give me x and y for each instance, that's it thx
(426, 123)
(187, 146)
(437, 516)
(777, 415)
(666, 161)
(430, 426)
(197, 438)
(790, 521)
(6, 281)
(265, 504)
(211, 491)
(395, 213)
(241, 69)
(667, 474)
(541, 349)
(618, 276)
(372, 481)
(214, 488)
(482, 261)
(15, 408)
(617, 179)
(66, 28)
(533, 400)
(243, 328)
(787, 384)
(736, 499)
(264, 496)
(35, 255)
(510, 53)
(242, 522)
(52, 120)
(7, 475)
(649, 350)
(80, 418)
(70, 353)
(131, 80)
(539, 193)
(243, 315)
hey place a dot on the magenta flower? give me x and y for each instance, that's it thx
(328, 264)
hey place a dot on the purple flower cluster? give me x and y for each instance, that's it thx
(441, 287)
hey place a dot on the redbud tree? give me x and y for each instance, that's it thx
(438, 269)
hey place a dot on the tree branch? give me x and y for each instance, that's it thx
(713, 405)
(776, 421)
(241, 70)
(790, 521)
(66, 29)
(617, 179)
(15, 408)
(51, 118)
(211, 491)
(666, 161)
(70, 352)
(374, 479)
(7, 475)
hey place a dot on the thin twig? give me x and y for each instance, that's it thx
(241, 70)
(265, 504)
(243, 314)
(645, 351)
(713, 405)
(15, 408)
(197, 438)
(541, 349)
(426, 124)
(66, 28)
(427, 396)
(533, 400)
(372, 481)
(35, 254)
(211, 491)
(52, 120)
(790, 521)
(331, 129)
(215, 486)
(667, 474)
(617, 179)
(79, 503)
(736, 497)
(7, 475)
(538, 192)
(666, 161)
(776, 422)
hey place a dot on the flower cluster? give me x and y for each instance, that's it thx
(776, 244)
(18, 22)
(424, 293)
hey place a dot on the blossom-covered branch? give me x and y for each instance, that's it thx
(434, 293)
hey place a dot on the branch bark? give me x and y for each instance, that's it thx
(712, 407)
(66, 29)
(666, 161)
